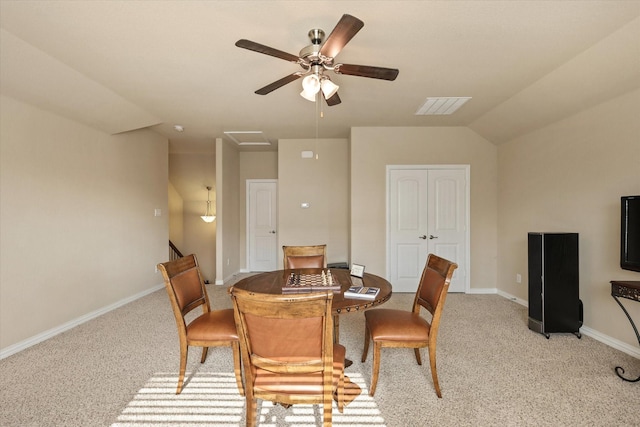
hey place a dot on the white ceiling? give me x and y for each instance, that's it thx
(124, 65)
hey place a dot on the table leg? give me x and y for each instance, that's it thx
(336, 337)
(620, 370)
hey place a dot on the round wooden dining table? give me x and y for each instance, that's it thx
(272, 282)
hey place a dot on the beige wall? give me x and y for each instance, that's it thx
(253, 165)
(98, 193)
(227, 210)
(176, 222)
(372, 149)
(77, 219)
(200, 238)
(570, 177)
(187, 169)
(321, 182)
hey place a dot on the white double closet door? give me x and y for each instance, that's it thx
(428, 212)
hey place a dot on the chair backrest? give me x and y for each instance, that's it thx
(185, 287)
(305, 256)
(285, 333)
(434, 285)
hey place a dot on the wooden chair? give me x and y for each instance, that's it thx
(187, 292)
(408, 329)
(305, 256)
(288, 353)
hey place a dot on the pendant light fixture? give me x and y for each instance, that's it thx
(208, 215)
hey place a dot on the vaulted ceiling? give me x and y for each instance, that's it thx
(124, 65)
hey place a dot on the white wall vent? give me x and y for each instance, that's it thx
(441, 105)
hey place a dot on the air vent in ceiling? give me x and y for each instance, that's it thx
(248, 137)
(441, 105)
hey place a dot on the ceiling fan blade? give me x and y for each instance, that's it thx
(260, 48)
(367, 71)
(345, 29)
(278, 84)
(334, 100)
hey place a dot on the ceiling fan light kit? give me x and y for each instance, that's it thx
(319, 57)
(313, 83)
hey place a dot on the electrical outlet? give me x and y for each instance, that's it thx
(228, 261)
(518, 278)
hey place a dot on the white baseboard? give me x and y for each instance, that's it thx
(227, 279)
(22, 345)
(15, 348)
(611, 342)
(512, 298)
(585, 330)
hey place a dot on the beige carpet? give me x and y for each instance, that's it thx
(121, 370)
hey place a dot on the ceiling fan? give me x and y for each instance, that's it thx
(318, 58)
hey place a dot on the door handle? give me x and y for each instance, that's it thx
(422, 237)
(431, 237)
(273, 232)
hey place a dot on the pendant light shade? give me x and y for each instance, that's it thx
(309, 96)
(313, 83)
(208, 215)
(329, 88)
(310, 87)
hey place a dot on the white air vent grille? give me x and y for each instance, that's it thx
(248, 137)
(441, 105)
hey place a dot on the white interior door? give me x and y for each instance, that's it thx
(447, 220)
(262, 236)
(428, 213)
(408, 245)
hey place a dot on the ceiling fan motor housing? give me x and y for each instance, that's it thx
(316, 35)
(311, 53)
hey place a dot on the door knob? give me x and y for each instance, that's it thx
(422, 237)
(273, 232)
(431, 237)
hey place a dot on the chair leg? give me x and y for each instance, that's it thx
(376, 367)
(237, 368)
(327, 412)
(418, 358)
(434, 373)
(184, 351)
(252, 412)
(367, 338)
(340, 393)
(205, 350)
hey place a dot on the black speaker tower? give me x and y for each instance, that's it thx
(554, 291)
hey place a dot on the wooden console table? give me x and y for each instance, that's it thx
(629, 290)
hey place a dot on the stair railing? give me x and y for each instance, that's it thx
(174, 252)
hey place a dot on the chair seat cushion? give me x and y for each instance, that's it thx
(396, 325)
(308, 383)
(217, 325)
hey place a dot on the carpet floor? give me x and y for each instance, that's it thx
(120, 370)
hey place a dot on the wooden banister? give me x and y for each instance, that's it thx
(174, 252)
